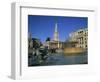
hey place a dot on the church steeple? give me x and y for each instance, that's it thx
(56, 28)
(56, 35)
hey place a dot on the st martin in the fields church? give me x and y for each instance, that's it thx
(55, 44)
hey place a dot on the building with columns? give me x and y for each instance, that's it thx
(81, 37)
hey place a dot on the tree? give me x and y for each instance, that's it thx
(48, 39)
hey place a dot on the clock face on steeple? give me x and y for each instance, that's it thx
(63, 42)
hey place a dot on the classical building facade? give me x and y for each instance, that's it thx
(81, 37)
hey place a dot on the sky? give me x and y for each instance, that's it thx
(42, 27)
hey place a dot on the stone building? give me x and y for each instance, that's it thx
(81, 37)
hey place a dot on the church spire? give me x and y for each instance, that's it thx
(56, 28)
(56, 35)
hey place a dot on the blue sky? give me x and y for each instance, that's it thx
(42, 27)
